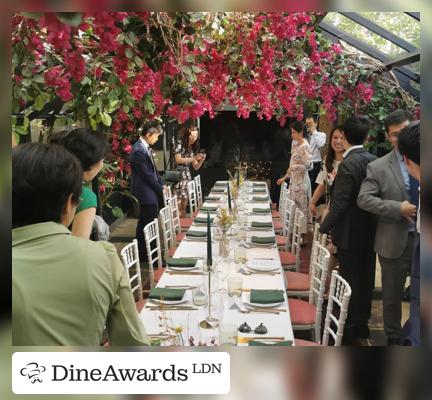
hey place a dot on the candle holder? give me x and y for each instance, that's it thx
(210, 322)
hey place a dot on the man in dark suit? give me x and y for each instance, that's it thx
(390, 193)
(147, 185)
(353, 229)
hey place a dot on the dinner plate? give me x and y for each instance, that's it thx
(263, 267)
(183, 268)
(266, 305)
(268, 245)
(170, 302)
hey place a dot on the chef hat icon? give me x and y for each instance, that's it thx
(32, 371)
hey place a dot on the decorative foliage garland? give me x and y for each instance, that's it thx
(113, 69)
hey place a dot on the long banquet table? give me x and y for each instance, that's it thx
(278, 325)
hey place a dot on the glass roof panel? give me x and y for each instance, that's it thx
(365, 35)
(398, 23)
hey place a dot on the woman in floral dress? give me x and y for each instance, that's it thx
(186, 154)
(297, 172)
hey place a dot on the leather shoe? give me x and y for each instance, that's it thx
(393, 341)
(363, 331)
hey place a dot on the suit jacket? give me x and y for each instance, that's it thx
(350, 226)
(147, 185)
(381, 193)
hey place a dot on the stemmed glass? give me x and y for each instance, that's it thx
(235, 286)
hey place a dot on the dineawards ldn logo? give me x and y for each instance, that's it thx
(33, 371)
(120, 373)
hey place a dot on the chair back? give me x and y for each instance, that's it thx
(167, 194)
(168, 236)
(318, 283)
(153, 247)
(130, 259)
(339, 296)
(288, 221)
(198, 189)
(318, 238)
(282, 197)
(296, 236)
(175, 215)
(193, 203)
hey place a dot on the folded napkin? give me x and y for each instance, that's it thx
(220, 184)
(266, 296)
(196, 234)
(261, 210)
(281, 343)
(218, 189)
(203, 220)
(263, 239)
(259, 190)
(208, 208)
(212, 198)
(258, 224)
(181, 262)
(167, 294)
(255, 198)
(259, 184)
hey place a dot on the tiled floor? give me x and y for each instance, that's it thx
(124, 232)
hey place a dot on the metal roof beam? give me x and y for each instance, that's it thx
(373, 27)
(403, 59)
(415, 15)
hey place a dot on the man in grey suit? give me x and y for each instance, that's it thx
(389, 192)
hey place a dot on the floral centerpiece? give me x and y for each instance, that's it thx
(224, 221)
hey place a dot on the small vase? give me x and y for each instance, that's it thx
(224, 245)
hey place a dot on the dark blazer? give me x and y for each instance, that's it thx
(147, 185)
(350, 226)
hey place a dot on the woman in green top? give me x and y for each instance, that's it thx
(90, 148)
(66, 289)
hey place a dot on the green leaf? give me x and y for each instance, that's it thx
(190, 58)
(129, 53)
(106, 119)
(93, 124)
(17, 137)
(117, 212)
(86, 81)
(39, 78)
(39, 102)
(196, 69)
(148, 105)
(26, 82)
(59, 123)
(92, 110)
(26, 123)
(186, 69)
(112, 105)
(32, 15)
(70, 18)
(138, 62)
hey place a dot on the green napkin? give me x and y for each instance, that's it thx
(258, 224)
(259, 184)
(167, 294)
(255, 198)
(208, 208)
(212, 198)
(218, 189)
(266, 296)
(203, 220)
(281, 343)
(181, 262)
(196, 234)
(261, 210)
(258, 190)
(263, 239)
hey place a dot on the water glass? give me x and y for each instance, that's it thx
(235, 285)
(199, 296)
(228, 334)
(240, 255)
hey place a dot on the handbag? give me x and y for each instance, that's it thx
(172, 176)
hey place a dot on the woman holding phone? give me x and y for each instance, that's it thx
(185, 154)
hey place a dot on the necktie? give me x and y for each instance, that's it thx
(414, 191)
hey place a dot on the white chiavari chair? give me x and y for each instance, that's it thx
(198, 189)
(192, 199)
(167, 230)
(175, 219)
(290, 256)
(154, 253)
(130, 259)
(167, 194)
(278, 216)
(307, 315)
(337, 311)
(284, 239)
(297, 283)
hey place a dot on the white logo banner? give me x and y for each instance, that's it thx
(120, 372)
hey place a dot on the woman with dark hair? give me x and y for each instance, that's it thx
(90, 148)
(186, 154)
(66, 289)
(297, 172)
(328, 173)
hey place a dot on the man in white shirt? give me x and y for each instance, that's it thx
(316, 142)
